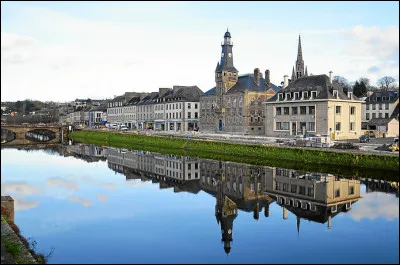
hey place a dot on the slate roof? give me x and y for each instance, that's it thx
(185, 93)
(319, 83)
(391, 96)
(379, 121)
(246, 82)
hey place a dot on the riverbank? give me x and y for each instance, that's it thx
(15, 249)
(289, 157)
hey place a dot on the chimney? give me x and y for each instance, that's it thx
(330, 77)
(267, 78)
(257, 76)
(285, 81)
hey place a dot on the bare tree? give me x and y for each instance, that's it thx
(343, 82)
(386, 83)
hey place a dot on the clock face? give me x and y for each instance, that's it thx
(222, 54)
(230, 55)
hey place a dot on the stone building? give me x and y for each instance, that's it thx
(380, 105)
(313, 105)
(234, 104)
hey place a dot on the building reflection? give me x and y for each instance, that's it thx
(315, 197)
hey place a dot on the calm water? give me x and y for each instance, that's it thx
(108, 205)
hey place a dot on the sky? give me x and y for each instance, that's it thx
(60, 51)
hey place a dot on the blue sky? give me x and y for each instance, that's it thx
(67, 50)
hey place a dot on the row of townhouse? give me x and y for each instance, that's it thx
(175, 109)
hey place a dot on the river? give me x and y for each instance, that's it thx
(96, 204)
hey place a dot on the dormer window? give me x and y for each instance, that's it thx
(313, 94)
(335, 93)
(288, 96)
(280, 96)
(296, 95)
(305, 94)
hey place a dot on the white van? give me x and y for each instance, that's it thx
(123, 127)
(111, 125)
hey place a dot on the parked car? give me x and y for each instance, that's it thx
(123, 128)
(364, 138)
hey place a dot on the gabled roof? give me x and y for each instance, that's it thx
(379, 121)
(319, 83)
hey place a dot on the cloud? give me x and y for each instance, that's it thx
(102, 197)
(21, 188)
(24, 204)
(69, 184)
(376, 205)
(106, 185)
(82, 201)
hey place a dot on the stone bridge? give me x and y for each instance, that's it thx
(22, 138)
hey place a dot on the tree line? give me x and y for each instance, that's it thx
(361, 86)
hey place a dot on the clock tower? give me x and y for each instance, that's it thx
(226, 76)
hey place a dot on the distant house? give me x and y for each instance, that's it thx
(387, 126)
(380, 104)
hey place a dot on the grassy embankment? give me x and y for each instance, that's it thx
(352, 164)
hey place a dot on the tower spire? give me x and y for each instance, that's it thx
(306, 74)
(299, 52)
(293, 75)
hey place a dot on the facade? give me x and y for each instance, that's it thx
(234, 104)
(96, 115)
(380, 104)
(314, 105)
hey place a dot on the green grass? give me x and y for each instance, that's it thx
(352, 164)
(12, 247)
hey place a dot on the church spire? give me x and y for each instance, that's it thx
(299, 52)
(298, 225)
(306, 74)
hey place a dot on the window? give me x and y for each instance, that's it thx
(380, 106)
(296, 95)
(286, 126)
(380, 115)
(189, 166)
(311, 110)
(310, 191)
(373, 106)
(278, 186)
(352, 110)
(189, 115)
(367, 116)
(337, 126)
(302, 190)
(373, 115)
(280, 96)
(386, 105)
(294, 110)
(386, 115)
(195, 106)
(314, 94)
(367, 107)
(279, 126)
(196, 115)
(285, 187)
(335, 93)
(351, 190)
(303, 110)
(311, 126)
(337, 193)
(338, 109)
(352, 126)
(293, 188)
(278, 111)
(196, 166)
(189, 106)
(286, 110)
(288, 96)
(305, 94)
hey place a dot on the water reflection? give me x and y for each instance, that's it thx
(40, 135)
(7, 136)
(316, 197)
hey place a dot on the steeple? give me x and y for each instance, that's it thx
(298, 225)
(299, 52)
(306, 74)
(299, 66)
